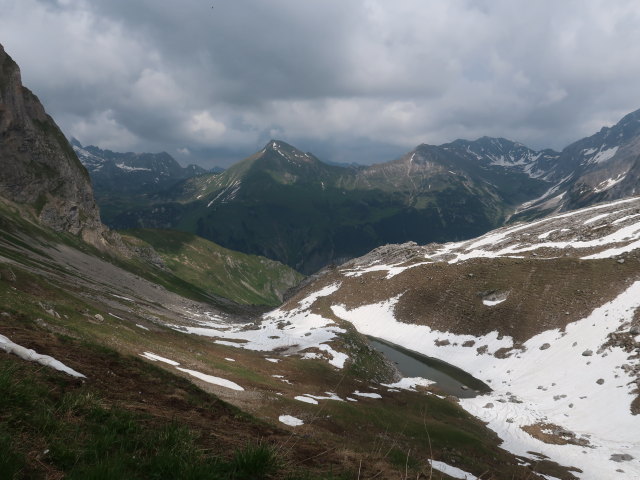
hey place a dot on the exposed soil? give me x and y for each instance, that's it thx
(553, 434)
(540, 294)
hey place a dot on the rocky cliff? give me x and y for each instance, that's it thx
(39, 169)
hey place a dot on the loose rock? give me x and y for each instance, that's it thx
(621, 457)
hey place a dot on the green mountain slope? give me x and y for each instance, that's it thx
(242, 278)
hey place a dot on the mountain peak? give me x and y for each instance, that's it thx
(628, 125)
(275, 143)
(288, 152)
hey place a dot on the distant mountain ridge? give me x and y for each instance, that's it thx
(287, 205)
(114, 172)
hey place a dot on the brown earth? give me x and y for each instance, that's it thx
(540, 294)
(553, 434)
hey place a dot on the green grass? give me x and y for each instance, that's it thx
(75, 433)
(242, 278)
(254, 461)
(50, 423)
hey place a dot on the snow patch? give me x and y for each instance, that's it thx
(607, 184)
(291, 421)
(367, 394)
(546, 234)
(127, 168)
(222, 382)
(596, 218)
(454, 472)
(328, 396)
(31, 356)
(305, 399)
(491, 303)
(604, 155)
(410, 383)
(157, 358)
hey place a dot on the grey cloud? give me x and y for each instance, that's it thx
(348, 78)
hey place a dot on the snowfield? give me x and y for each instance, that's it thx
(572, 387)
(565, 394)
(290, 331)
(557, 385)
(612, 229)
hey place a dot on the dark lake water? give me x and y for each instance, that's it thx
(451, 380)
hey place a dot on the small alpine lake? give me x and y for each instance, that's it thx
(448, 378)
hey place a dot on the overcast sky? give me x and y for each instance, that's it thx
(349, 80)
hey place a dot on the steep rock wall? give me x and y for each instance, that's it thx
(38, 167)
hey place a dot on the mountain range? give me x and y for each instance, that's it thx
(127, 173)
(290, 206)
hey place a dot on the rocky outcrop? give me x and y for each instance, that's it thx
(38, 168)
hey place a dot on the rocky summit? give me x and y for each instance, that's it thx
(40, 171)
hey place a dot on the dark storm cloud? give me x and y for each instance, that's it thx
(344, 78)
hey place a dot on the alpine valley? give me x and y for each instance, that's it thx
(508, 350)
(290, 206)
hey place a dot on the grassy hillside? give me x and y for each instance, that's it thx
(130, 419)
(242, 278)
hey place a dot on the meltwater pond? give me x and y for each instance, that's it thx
(451, 380)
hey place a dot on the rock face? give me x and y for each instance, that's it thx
(600, 168)
(39, 169)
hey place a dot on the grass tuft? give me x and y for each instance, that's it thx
(255, 461)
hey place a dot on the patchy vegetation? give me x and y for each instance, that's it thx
(74, 320)
(242, 278)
